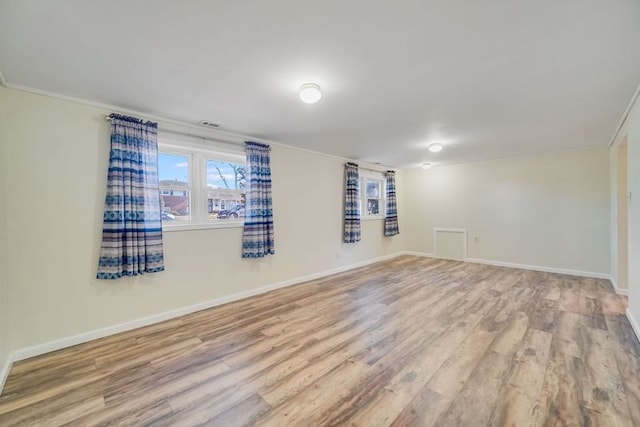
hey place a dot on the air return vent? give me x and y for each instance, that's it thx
(209, 124)
(450, 243)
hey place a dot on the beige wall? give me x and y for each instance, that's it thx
(5, 328)
(56, 174)
(618, 155)
(622, 268)
(550, 210)
(613, 206)
(632, 132)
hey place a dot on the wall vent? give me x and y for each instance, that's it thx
(209, 124)
(450, 243)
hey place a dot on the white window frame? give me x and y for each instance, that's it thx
(372, 176)
(197, 153)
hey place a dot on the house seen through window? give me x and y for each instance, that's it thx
(175, 177)
(373, 196)
(200, 188)
(225, 189)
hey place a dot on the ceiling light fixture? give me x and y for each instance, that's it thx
(310, 93)
(434, 148)
(426, 166)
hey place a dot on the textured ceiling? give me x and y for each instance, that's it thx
(487, 79)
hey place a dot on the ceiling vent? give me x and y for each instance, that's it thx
(209, 124)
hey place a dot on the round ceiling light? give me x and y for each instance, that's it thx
(426, 166)
(310, 93)
(434, 148)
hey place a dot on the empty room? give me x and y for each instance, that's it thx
(290, 213)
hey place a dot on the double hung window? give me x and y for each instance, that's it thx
(372, 190)
(201, 185)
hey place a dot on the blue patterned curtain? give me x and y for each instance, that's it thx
(352, 232)
(132, 229)
(391, 218)
(257, 238)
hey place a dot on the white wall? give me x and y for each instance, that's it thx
(633, 183)
(5, 327)
(614, 174)
(621, 220)
(618, 160)
(550, 210)
(56, 173)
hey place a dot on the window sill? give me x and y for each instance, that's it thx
(371, 218)
(188, 227)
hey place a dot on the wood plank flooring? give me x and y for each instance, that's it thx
(407, 342)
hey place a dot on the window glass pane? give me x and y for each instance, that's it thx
(175, 195)
(373, 189)
(373, 206)
(225, 190)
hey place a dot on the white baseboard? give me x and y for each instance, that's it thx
(619, 291)
(570, 272)
(4, 371)
(50, 346)
(634, 324)
(422, 254)
(525, 267)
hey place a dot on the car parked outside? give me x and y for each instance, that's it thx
(235, 212)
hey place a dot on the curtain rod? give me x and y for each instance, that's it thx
(175, 132)
(373, 170)
(368, 169)
(192, 135)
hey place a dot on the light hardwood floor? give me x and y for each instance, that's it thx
(410, 341)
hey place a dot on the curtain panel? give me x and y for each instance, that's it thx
(132, 229)
(352, 232)
(391, 218)
(257, 238)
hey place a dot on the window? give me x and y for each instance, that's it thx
(225, 189)
(199, 187)
(175, 200)
(373, 197)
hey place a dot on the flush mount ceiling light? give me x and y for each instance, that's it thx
(426, 166)
(434, 148)
(310, 93)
